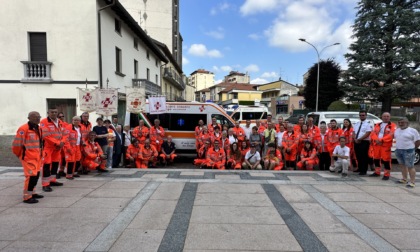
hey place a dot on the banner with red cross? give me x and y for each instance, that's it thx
(87, 100)
(136, 99)
(107, 102)
(157, 105)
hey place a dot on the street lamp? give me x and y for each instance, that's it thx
(317, 76)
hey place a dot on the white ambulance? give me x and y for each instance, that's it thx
(180, 121)
(253, 113)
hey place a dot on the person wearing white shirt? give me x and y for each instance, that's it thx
(362, 130)
(252, 159)
(247, 129)
(341, 155)
(126, 142)
(407, 140)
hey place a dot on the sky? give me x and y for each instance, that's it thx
(261, 37)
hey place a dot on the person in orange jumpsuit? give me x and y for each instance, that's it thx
(52, 135)
(216, 157)
(290, 143)
(239, 133)
(141, 132)
(312, 127)
(224, 143)
(235, 157)
(298, 127)
(216, 135)
(64, 124)
(72, 147)
(134, 153)
(168, 151)
(201, 155)
(304, 136)
(27, 146)
(148, 155)
(203, 137)
(244, 148)
(308, 157)
(156, 135)
(333, 136)
(213, 125)
(260, 126)
(197, 132)
(94, 158)
(381, 138)
(273, 158)
(85, 128)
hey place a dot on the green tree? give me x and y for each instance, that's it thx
(385, 57)
(328, 85)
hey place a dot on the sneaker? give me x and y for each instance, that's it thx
(385, 178)
(340, 171)
(56, 184)
(101, 170)
(411, 185)
(402, 181)
(30, 201)
(374, 175)
(37, 196)
(47, 189)
(332, 168)
(344, 175)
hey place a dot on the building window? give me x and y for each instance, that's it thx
(148, 55)
(38, 46)
(156, 79)
(148, 74)
(118, 26)
(235, 96)
(118, 60)
(136, 44)
(136, 67)
(156, 63)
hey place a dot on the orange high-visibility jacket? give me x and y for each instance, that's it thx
(216, 156)
(71, 135)
(213, 137)
(92, 150)
(314, 130)
(156, 136)
(85, 128)
(318, 143)
(133, 152)
(202, 152)
(334, 137)
(147, 153)
(204, 137)
(239, 133)
(52, 135)
(210, 127)
(308, 155)
(290, 141)
(141, 133)
(348, 134)
(27, 144)
(388, 134)
(198, 131)
(237, 158)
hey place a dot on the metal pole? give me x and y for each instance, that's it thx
(317, 76)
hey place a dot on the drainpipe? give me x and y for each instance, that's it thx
(113, 2)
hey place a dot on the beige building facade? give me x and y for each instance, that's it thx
(201, 79)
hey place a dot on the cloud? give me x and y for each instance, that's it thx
(201, 50)
(251, 7)
(222, 7)
(254, 36)
(185, 61)
(269, 75)
(252, 68)
(226, 68)
(218, 81)
(219, 33)
(307, 19)
(259, 81)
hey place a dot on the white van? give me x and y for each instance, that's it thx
(339, 116)
(253, 113)
(180, 121)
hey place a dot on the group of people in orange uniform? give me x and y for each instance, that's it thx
(44, 144)
(283, 145)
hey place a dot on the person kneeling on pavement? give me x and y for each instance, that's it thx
(341, 155)
(94, 159)
(252, 159)
(133, 153)
(148, 155)
(168, 151)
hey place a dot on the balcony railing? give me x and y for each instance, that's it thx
(172, 76)
(173, 97)
(36, 71)
(150, 87)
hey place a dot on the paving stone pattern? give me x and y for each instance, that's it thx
(209, 210)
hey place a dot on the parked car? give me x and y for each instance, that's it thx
(295, 118)
(339, 116)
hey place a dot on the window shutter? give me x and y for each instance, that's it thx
(38, 46)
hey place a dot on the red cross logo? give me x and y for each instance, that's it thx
(106, 102)
(157, 105)
(202, 108)
(136, 103)
(87, 97)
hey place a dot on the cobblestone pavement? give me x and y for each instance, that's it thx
(206, 210)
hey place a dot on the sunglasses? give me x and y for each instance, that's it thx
(61, 117)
